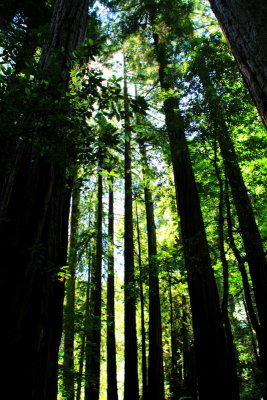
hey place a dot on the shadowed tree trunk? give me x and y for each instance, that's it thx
(244, 25)
(225, 267)
(155, 360)
(85, 325)
(175, 376)
(69, 311)
(131, 375)
(247, 223)
(92, 386)
(212, 357)
(112, 390)
(142, 306)
(34, 212)
(252, 316)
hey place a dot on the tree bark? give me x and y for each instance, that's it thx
(225, 268)
(142, 306)
(34, 212)
(175, 375)
(243, 23)
(112, 390)
(247, 223)
(93, 362)
(131, 391)
(85, 324)
(155, 360)
(212, 357)
(69, 311)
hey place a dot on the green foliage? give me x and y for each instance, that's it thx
(64, 273)
(77, 124)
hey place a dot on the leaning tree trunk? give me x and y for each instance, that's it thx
(34, 212)
(244, 25)
(213, 363)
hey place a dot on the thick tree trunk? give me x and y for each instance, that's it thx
(244, 25)
(34, 211)
(213, 363)
(112, 390)
(252, 316)
(69, 310)
(131, 391)
(155, 360)
(247, 223)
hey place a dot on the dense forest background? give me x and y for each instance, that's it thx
(133, 197)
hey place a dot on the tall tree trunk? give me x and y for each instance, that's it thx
(243, 23)
(175, 377)
(131, 391)
(93, 362)
(213, 363)
(34, 212)
(248, 227)
(155, 360)
(241, 266)
(189, 367)
(69, 311)
(225, 266)
(112, 390)
(85, 325)
(252, 316)
(142, 306)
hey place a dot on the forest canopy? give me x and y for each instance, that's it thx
(133, 196)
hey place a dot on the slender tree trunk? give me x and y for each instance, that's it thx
(93, 361)
(241, 266)
(142, 306)
(34, 212)
(131, 391)
(243, 23)
(69, 311)
(112, 390)
(212, 357)
(175, 377)
(155, 361)
(225, 266)
(83, 344)
(189, 367)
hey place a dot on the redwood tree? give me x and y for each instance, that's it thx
(34, 210)
(131, 374)
(212, 356)
(92, 385)
(155, 360)
(112, 390)
(244, 25)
